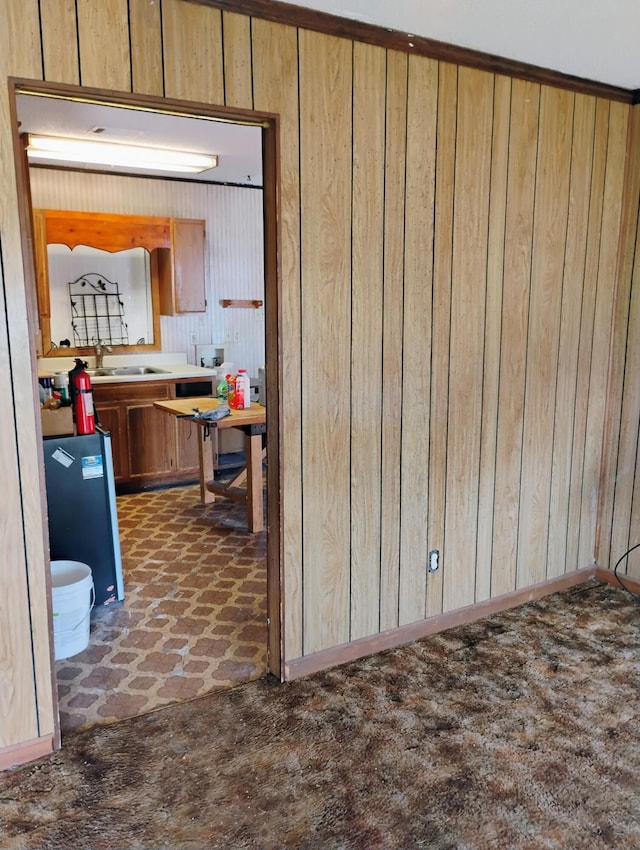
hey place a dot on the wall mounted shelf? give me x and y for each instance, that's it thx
(230, 302)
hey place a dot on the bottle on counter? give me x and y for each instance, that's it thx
(231, 390)
(243, 390)
(222, 389)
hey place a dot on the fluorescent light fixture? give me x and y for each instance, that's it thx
(126, 156)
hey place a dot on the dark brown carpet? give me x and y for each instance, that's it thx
(521, 731)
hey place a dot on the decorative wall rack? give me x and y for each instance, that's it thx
(97, 311)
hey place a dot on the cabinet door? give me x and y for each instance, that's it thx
(151, 440)
(111, 419)
(187, 245)
(181, 269)
(187, 436)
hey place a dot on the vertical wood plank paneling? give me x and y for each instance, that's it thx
(237, 60)
(103, 34)
(17, 698)
(419, 214)
(146, 47)
(630, 437)
(623, 490)
(22, 51)
(560, 529)
(611, 222)
(515, 320)
(275, 68)
(441, 323)
(631, 565)
(492, 333)
(369, 72)
(393, 300)
(193, 63)
(619, 472)
(549, 241)
(325, 125)
(586, 352)
(468, 288)
(60, 42)
(26, 693)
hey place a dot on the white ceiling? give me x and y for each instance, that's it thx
(594, 39)
(239, 147)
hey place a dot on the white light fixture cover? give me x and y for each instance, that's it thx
(126, 156)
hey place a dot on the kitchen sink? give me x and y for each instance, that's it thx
(119, 371)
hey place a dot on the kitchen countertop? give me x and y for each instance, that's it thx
(174, 367)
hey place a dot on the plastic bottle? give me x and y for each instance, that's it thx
(222, 390)
(243, 390)
(61, 384)
(47, 385)
(231, 390)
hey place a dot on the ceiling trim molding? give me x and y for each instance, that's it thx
(329, 24)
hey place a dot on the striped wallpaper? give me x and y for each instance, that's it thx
(234, 265)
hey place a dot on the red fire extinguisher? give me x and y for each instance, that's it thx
(82, 399)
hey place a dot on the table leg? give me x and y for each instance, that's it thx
(255, 509)
(205, 459)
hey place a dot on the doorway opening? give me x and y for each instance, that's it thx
(154, 533)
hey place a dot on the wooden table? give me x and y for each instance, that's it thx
(253, 422)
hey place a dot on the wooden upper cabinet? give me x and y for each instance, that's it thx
(181, 269)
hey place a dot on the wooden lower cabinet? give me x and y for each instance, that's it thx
(150, 448)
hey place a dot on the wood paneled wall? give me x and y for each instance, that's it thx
(450, 273)
(619, 514)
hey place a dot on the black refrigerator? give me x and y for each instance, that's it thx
(81, 499)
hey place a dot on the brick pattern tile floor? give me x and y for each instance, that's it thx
(193, 618)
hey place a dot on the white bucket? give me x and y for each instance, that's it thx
(73, 598)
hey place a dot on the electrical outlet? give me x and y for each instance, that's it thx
(194, 338)
(434, 560)
(236, 336)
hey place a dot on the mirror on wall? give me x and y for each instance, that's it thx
(97, 295)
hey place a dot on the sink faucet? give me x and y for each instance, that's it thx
(101, 349)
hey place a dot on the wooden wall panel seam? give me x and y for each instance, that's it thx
(419, 244)
(496, 224)
(587, 318)
(616, 485)
(392, 333)
(447, 117)
(570, 325)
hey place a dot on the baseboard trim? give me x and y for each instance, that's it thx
(27, 751)
(326, 658)
(631, 584)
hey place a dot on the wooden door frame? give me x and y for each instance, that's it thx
(269, 122)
